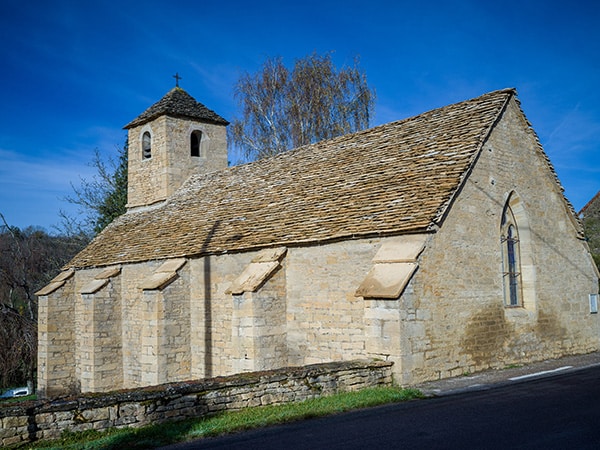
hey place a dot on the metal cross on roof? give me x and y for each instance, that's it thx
(177, 78)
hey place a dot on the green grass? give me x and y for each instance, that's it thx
(228, 422)
(513, 366)
(18, 399)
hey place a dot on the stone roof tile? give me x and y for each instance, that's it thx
(177, 103)
(391, 179)
(592, 207)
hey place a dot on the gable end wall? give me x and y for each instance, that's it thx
(460, 283)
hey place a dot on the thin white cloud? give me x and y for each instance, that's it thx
(32, 190)
(561, 129)
(45, 173)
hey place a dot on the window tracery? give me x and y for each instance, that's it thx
(511, 259)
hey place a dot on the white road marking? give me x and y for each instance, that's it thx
(539, 373)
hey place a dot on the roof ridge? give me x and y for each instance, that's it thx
(589, 204)
(402, 121)
(483, 138)
(350, 136)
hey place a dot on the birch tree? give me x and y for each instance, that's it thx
(283, 109)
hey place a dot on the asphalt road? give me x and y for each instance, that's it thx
(555, 412)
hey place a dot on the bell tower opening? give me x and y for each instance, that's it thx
(195, 140)
(146, 145)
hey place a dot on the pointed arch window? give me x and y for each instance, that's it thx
(511, 259)
(195, 140)
(146, 145)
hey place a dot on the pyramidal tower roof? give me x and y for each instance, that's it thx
(177, 103)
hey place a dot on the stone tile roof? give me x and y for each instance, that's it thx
(177, 103)
(392, 179)
(592, 207)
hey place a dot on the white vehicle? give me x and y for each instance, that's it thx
(16, 392)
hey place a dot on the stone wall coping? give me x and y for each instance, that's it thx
(179, 389)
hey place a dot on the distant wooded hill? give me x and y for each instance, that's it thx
(29, 259)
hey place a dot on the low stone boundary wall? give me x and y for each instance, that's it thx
(29, 421)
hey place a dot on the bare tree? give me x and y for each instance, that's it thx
(284, 110)
(29, 259)
(18, 340)
(13, 269)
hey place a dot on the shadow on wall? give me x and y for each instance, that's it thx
(208, 362)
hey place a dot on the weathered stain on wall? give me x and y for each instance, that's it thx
(485, 334)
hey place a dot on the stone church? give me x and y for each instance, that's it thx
(442, 242)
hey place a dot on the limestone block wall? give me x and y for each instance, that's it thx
(135, 313)
(259, 338)
(135, 408)
(382, 326)
(156, 327)
(56, 341)
(174, 330)
(304, 313)
(146, 178)
(212, 312)
(154, 179)
(165, 330)
(459, 284)
(99, 335)
(201, 337)
(324, 317)
(213, 149)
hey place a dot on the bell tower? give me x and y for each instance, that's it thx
(173, 139)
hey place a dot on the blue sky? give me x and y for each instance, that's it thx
(74, 72)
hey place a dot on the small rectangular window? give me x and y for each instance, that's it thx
(594, 303)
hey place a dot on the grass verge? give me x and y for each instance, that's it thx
(18, 399)
(228, 422)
